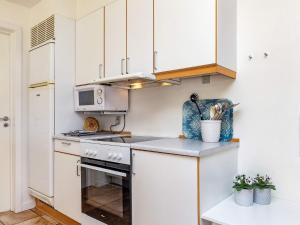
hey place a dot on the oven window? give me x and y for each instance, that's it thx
(86, 97)
(106, 197)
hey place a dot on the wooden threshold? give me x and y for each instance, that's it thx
(61, 218)
(196, 71)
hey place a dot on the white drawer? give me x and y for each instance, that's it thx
(69, 147)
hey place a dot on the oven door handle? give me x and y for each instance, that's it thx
(112, 172)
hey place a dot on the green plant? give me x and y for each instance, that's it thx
(263, 182)
(241, 182)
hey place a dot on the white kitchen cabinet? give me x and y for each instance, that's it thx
(67, 185)
(164, 189)
(185, 34)
(90, 48)
(115, 38)
(140, 36)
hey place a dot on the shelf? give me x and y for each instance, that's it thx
(211, 69)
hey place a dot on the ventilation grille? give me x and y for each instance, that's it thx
(43, 32)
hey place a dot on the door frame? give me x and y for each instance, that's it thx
(17, 132)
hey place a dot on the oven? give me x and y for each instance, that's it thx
(106, 191)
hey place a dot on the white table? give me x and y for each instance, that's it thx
(280, 212)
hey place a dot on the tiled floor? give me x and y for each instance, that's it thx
(30, 217)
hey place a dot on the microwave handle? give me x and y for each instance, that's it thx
(112, 172)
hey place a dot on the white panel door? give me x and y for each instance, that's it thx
(164, 189)
(41, 67)
(184, 33)
(67, 185)
(115, 38)
(140, 36)
(90, 47)
(41, 131)
(5, 159)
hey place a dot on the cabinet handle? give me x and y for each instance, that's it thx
(127, 65)
(155, 60)
(100, 70)
(122, 66)
(132, 167)
(66, 143)
(77, 168)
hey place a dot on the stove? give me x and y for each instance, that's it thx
(106, 179)
(83, 133)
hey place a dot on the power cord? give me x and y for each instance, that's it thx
(117, 123)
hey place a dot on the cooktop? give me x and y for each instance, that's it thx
(128, 139)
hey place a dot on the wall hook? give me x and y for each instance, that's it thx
(266, 54)
(250, 57)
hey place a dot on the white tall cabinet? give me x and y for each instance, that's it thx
(185, 33)
(115, 38)
(140, 36)
(90, 48)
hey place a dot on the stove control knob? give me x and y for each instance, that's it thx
(87, 152)
(109, 155)
(114, 157)
(120, 157)
(94, 154)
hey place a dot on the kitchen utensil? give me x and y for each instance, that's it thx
(91, 124)
(194, 98)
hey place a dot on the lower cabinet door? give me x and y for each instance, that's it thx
(67, 185)
(164, 189)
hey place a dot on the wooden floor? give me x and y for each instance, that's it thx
(29, 217)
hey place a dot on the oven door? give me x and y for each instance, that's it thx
(106, 191)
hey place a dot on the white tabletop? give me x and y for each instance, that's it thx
(280, 212)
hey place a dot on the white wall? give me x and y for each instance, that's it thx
(268, 89)
(19, 16)
(46, 8)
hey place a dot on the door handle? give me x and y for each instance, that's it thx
(132, 164)
(5, 118)
(127, 65)
(122, 66)
(100, 70)
(155, 60)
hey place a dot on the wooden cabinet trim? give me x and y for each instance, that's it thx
(196, 71)
(55, 214)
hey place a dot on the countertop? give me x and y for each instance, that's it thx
(186, 147)
(278, 213)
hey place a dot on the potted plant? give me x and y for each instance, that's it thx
(243, 194)
(262, 189)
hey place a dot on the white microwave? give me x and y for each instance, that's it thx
(91, 98)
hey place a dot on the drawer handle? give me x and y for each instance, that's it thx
(66, 143)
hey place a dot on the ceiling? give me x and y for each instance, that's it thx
(27, 3)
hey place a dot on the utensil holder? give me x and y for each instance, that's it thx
(210, 130)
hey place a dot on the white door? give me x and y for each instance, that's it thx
(184, 33)
(5, 159)
(67, 185)
(90, 47)
(115, 38)
(140, 36)
(41, 67)
(41, 131)
(164, 189)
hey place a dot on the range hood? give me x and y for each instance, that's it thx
(136, 81)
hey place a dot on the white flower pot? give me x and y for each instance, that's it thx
(244, 197)
(262, 196)
(210, 130)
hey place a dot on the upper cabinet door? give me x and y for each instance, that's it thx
(115, 38)
(185, 33)
(41, 64)
(140, 36)
(90, 48)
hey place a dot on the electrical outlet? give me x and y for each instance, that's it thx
(206, 79)
(118, 120)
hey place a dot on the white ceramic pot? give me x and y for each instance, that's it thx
(244, 197)
(262, 196)
(210, 130)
